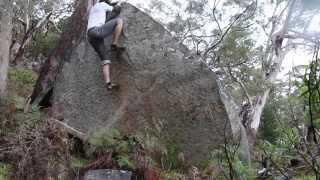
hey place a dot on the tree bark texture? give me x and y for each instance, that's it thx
(238, 130)
(69, 39)
(5, 39)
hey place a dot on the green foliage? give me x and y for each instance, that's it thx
(4, 171)
(44, 43)
(111, 140)
(237, 169)
(238, 54)
(20, 86)
(169, 160)
(243, 170)
(77, 162)
(310, 91)
(13, 119)
(165, 154)
(294, 111)
(21, 81)
(283, 150)
(22, 76)
(269, 126)
(31, 119)
(307, 178)
(285, 144)
(105, 140)
(20, 121)
(276, 153)
(63, 22)
(125, 162)
(151, 142)
(239, 40)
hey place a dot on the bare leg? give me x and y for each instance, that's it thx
(106, 73)
(106, 68)
(116, 34)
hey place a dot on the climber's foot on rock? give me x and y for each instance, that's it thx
(112, 86)
(117, 48)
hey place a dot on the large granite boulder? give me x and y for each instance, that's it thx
(162, 87)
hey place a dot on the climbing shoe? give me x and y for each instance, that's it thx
(112, 86)
(117, 48)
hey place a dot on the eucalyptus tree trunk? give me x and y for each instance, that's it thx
(270, 73)
(246, 127)
(27, 14)
(5, 39)
(69, 39)
(238, 130)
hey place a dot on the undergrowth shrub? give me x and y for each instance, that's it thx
(111, 141)
(21, 81)
(44, 44)
(145, 153)
(41, 152)
(224, 163)
(5, 171)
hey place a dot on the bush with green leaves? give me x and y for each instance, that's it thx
(310, 91)
(306, 178)
(269, 126)
(229, 165)
(280, 153)
(22, 76)
(111, 141)
(44, 44)
(21, 81)
(4, 171)
(78, 162)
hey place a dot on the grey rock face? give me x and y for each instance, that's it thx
(162, 88)
(106, 174)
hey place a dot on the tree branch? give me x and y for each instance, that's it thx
(70, 129)
(243, 87)
(28, 36)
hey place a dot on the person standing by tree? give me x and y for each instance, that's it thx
(103, 22)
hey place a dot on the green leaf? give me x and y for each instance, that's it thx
(124, 162)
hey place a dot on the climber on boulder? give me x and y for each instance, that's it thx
(104, 21)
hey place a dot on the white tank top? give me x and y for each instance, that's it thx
(97, 15)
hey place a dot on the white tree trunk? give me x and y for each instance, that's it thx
(262, 100)
(248, 133)
(258, 108)
(238, 130)
(273, 71)
(5, 39)
(27, 15)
